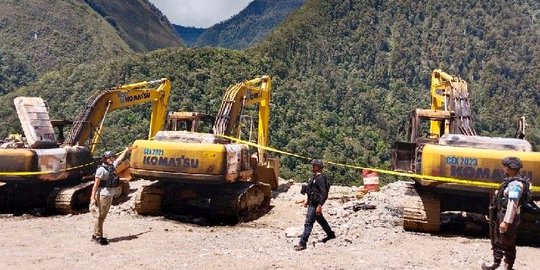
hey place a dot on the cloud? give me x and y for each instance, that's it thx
(199, 13)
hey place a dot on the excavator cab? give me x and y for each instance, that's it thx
(189, 121)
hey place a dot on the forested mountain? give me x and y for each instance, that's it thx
(249, 26)
(138, 22)
(35, 34)
(346, 74)
(37, 38)
(188, 34)
(352, 71)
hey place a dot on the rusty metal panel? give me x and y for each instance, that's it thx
(18, 160)
(188, 137)
(34, 117)
(234, 161)
(482, 142)
(52, 160)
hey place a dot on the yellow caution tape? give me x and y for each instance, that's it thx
(48, 172)
(382, 171)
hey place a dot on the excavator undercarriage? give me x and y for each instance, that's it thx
(225, 203)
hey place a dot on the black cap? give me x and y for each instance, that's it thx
(512, 162)
(108, 154)
(318, 162)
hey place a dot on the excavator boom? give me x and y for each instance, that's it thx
(90, 121)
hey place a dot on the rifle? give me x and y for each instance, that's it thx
(493, 221)
(493, 213)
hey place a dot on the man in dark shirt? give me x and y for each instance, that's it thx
(317, 192)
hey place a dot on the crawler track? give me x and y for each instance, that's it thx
(421, 211)
(228, 203)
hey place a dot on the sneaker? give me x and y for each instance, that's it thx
(490, 266)
(103, 241)
(299, 247)
(95, 239)
(328, 238)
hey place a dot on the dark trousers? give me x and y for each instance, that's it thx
(504, 244)
(311, 217)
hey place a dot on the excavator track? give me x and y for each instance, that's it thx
(75, 199)
(228, 203)
(148, 199)
(238, 201)
(20, 198)
(529, 227)
(421, 211)
(70, 200)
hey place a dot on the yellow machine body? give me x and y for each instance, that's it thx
(475, 164)
(204, 163)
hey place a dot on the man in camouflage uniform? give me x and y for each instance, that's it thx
(505, 210)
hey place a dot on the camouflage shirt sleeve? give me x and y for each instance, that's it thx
(514, 192)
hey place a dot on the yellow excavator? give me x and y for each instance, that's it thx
(205, 173)
(44, 170)
(443, 142)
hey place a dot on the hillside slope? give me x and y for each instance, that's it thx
(50, 40)
(352, 71)
(250, 25)
(139, 23)
(346, 74)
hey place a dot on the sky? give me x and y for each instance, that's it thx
(199, 13)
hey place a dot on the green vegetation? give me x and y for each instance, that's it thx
(346, 74)
(353, 70)
(50, 40)
(199, 77)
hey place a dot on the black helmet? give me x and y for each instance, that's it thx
(512, 162)
(108, 154)
(317, 162)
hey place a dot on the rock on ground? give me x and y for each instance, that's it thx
(367, 239)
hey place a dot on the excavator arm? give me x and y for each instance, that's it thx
(236, 97)
(90, 122)
(450, 94)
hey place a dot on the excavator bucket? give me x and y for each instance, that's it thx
(35, 122)
(269, 172)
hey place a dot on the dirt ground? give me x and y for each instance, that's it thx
(367, 239)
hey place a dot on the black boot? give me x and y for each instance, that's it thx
(103, 241)
(491, 266)
(328, 237)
